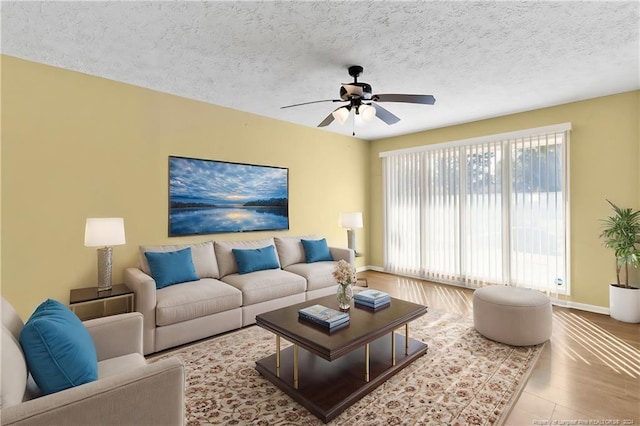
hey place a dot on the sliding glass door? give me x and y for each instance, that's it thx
(538, 217)
(483, 211)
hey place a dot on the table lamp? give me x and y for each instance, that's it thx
(104, 232)
(351, 221)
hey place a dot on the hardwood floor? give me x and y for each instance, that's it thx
(588, 373)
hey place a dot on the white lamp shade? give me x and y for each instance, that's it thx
(341, 114)
(104, 231)
(367, 112)
(351, 220)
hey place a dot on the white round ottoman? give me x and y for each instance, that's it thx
(511, 315)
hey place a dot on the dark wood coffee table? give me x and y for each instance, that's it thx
(327, 372)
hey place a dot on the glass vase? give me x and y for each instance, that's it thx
(345, 294)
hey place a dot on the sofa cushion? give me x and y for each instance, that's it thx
(224, 254)
(172, 267)
(316, 251)
(251, 260)
(318, 274)
(14, 371)
(58, 348)
(290, 249)
(266, 285)
(202, 256)
(182, 302)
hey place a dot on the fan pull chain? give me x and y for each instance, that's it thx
(354, 124)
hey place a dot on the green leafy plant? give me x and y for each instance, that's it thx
(621, 232)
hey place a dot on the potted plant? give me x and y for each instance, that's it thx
(621, 232)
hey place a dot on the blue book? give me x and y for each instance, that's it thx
(377, 303)
(372, 296)
(324, 325)
(371, 306)
(324, 316)
(330, 330)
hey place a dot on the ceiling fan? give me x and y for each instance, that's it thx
(363, 102)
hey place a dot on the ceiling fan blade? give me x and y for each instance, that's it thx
(385, 115)
(312, 102)
(327, 120)
(410, 99)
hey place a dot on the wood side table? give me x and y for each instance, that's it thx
(91, 295)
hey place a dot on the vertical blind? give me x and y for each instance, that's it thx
(491, 210)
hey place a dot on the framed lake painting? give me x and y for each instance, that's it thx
(207, 197)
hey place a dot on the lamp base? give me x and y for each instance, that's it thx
(104, 268)
(351, 239)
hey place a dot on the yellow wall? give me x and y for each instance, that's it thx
(76, 146)
(604, 163)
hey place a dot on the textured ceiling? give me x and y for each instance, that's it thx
(479, 59)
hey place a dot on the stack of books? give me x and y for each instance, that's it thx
(372, 299)
(327, 318)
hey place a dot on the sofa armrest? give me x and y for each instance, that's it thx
(144, 288)
(116, 335)
(150, 395)
(346, 254)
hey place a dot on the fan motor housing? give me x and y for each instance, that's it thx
(355, 90)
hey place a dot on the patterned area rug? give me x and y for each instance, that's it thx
(463, 379)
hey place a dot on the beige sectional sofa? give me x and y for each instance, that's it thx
(223, 299)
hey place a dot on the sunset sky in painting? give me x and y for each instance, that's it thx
(224, 183)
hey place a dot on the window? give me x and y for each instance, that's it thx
(491, 210)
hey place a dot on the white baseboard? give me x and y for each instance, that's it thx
(369, 268)
(558, 302)
(580, 306)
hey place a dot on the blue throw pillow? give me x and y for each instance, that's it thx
(59, 351)
(250, 260)
(172, 267)
(316, 250)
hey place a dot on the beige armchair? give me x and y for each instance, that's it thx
(128, 390)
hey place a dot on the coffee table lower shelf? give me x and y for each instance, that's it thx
(327, 388)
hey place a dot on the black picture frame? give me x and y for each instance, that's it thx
(212, 197)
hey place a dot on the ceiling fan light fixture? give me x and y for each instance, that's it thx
(341, 114)
(367, 112)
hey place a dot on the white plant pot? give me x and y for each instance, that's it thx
(624, 304)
